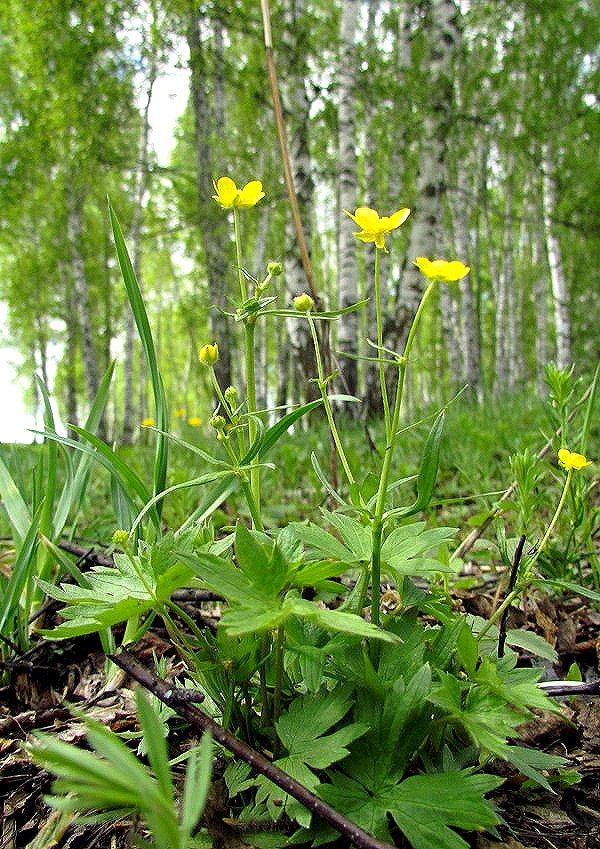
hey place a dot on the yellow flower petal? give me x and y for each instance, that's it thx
(226, 192)
(367, 218)
(441, 269)
(250, 194)
(572, 460)
(398, 218)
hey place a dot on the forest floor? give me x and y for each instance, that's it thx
(54, 674)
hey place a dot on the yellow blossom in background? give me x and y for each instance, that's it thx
(303, 302)
(149, 422)
(571, 460)
(441, 269)
(374, 228)
(209, 354)
(180, 413)
(194, 421)
(229, 196)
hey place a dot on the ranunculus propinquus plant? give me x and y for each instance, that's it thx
(388, 708)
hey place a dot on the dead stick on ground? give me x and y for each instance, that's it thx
(356, 835)
(469, 541)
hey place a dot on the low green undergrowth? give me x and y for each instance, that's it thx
(344, 689)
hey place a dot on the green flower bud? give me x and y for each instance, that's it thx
(274, 269)
(231, 395)
(120, 538)
(303, 302)
(218, 422)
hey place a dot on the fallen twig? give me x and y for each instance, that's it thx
(164, 691)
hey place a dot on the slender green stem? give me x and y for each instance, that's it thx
(380, 355)
(238, 256)
(391, 435)
(527, 578)
(265, 711)
(250, 325)
(246, 487)
(187, 619)
(279, 642)
(322, 383)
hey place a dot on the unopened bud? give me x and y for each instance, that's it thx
(120, 538)
(209, 354)
(274, 269)
(231, 395)
(218, 422)
(303, 302)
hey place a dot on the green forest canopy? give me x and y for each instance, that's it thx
(482, 117)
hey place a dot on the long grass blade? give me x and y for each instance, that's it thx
(141, 319)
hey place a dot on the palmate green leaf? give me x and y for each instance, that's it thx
(356, 537)
(425, 807)
(402, 551)
(323, 544)
(134, 586)
(302, 731)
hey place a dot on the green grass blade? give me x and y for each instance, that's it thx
(14, 504)
(131, 483)
(22, 571)
(46, 519)
(73, 492)
(141, 319)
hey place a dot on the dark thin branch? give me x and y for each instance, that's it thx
(356, 835)
(514, 572)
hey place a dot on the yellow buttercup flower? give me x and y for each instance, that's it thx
(374, 228)
(180, 413)
(149, 422)
(441, 269)
(571, 460)
(194, 421)
(230, 197)
(209, 354)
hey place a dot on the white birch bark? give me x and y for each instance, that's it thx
(469, 331)
(82, 295)
(297, 113)
(347, 339)
(426, 235)
(130, 425)
(209, 128)
(540, 294)
(558, 280)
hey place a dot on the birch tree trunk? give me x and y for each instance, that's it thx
(347, 340)
(558, 280)
(469, 330)
(209, 129)
(539, 293)
(504, 285)
(83, 301)
(129, 412)
(442, 31)
(297, 108)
